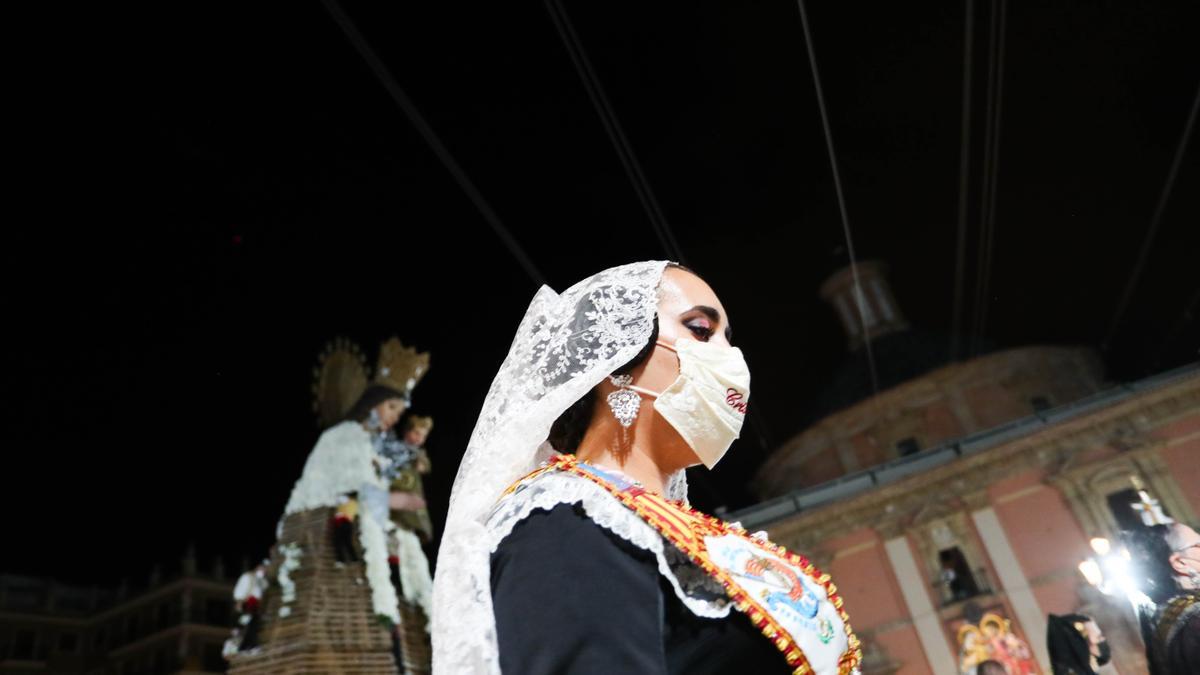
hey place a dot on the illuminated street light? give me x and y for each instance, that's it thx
(1113, 572)
(1091, 572)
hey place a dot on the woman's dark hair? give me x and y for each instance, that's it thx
(373, 396)
(567, 431)
(1150, 549)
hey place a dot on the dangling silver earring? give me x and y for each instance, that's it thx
(624, 402)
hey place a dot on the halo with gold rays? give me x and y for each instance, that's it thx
(339, 378)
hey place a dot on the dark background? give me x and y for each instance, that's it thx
(203, 194)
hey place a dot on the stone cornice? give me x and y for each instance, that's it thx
(961, 484)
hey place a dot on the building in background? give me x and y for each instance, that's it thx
(954, 505)
(174, 626)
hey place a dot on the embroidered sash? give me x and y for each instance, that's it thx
(793, 603)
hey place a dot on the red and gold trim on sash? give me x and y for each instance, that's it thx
(687, 528)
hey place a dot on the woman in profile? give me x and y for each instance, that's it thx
(569, 544)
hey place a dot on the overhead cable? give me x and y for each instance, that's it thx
(439, 149)
(859, 296)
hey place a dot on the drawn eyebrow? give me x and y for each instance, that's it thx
(714, 315)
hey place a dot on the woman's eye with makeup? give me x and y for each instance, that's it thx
(701, 329)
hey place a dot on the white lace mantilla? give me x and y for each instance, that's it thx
(699, 592)
(565, 345)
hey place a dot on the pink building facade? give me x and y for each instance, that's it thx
(1021, 457)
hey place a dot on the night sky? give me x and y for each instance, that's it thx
(208, 192)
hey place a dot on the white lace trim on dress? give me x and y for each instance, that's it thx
(695, 589)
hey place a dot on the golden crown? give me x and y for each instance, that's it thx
(400, 368)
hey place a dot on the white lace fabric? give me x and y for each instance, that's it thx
(697, 590)
(565, 345)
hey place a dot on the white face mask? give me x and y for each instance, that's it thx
(707, 402)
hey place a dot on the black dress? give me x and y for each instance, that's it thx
(1174, 636)
(571, 597)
